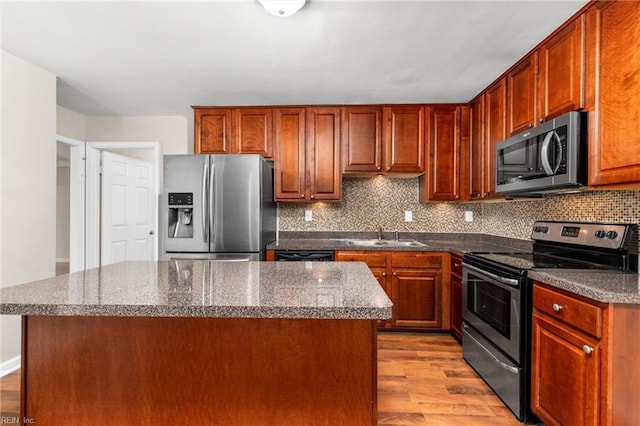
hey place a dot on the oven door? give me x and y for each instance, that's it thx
(491, 305)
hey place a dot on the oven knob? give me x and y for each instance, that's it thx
(612, 234)
(600, 233)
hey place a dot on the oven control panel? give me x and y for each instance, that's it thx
(589, 234)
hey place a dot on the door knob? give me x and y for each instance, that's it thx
(151, 232)
(587, 349)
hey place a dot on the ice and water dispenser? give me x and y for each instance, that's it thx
(180, 205)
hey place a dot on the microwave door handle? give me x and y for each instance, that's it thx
(205, 219)
(546, 164)
(509, 281)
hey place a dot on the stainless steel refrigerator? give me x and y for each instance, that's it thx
(217, 207)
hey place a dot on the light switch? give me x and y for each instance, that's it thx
(308, 215)
(408, 216)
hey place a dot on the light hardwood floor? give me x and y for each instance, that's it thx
(422, 380)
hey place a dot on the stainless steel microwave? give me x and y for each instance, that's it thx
(547, 158)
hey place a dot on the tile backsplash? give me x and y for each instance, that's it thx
(369, 203)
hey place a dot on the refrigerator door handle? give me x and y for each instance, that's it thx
(212, 206)
(205, 228)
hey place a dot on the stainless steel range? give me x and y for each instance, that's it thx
(497, 297)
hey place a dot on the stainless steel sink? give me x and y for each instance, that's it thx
(383, 243)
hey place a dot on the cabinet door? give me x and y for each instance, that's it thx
(323, 151)
(495, 98)
(361, 139)
(521, 83)
(253, 131)
(212, 131)
(381, 276)
(289, 161)
(404, 138)
(560, 73)
(613, 92)
(442, 178)
(474, 168)
(565, 380)
(456, 297)
(417, 298)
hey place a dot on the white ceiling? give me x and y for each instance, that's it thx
(161, 57)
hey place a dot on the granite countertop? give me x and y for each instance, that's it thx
(456, 243)
(600, 286)
(200, 288)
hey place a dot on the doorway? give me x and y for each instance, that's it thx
(93, 207)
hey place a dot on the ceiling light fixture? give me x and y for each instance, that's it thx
(282, 8)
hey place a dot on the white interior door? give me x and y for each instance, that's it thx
(126, 212)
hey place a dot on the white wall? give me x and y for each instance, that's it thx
(171, 131)
(71, 124)
(62, 212)
(28, 183)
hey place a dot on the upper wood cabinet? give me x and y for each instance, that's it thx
(307, 154)
(361, 139)
(441, 182)
(323, 154)
(212, 127)
(404, 139)
(521, 87)
(561, 72)
(495, 131)
(290, 154)
(233, 131)
(253, 131)
(473, 158)
(613, 93)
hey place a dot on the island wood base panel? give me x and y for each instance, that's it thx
(213, 371)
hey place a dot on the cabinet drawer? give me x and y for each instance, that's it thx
(416, 260)
(373, 260)
(585, 316)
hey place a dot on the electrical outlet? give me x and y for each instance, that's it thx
(308, 215)
(468, 216)
(408, 216)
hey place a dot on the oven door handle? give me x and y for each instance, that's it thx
(509, 281)
(506, 366)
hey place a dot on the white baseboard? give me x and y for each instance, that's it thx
(10, 366)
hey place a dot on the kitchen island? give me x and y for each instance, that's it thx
(198, 342)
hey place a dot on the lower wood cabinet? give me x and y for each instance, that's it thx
(456, 297)
(584, 360)
(416, 283)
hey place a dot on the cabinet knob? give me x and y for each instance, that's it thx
(379, 168)
(395, 274)
(301, 195)
(388, 168)
(457, 197)
(457, 265)
(587, 349)
(541, 120)
(556, 307)
(530, 125)
(311, 197)
(384, 274)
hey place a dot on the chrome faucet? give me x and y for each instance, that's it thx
(397, 236)
(379, 233)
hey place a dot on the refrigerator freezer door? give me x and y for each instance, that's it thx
(185, 180)
(235, 203)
